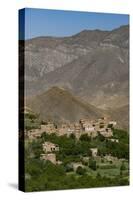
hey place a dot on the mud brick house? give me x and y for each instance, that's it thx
(50, 147)
(48, 128)
(34, 133)
(49, 156)
(63, 130)
(94, 152)
(106, 132)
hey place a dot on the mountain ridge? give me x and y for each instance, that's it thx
(82, 31)
(60, 105)
(93, 65)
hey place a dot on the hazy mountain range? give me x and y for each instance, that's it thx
(89, 68)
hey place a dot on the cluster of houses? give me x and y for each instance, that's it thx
(92, 128)
(50, 149)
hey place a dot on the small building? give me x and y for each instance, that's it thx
(113, 123)
(63, 130)
(89, 129)
(70, 130)
(49, 152)
(48, 128)
(77, 127)
(77, 131)
(34, 133)
(106, 132)
(50, 147)
(49, 156)
(94, 152)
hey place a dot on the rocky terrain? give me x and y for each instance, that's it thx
(91, 65)
(60, 105)
(121, 115)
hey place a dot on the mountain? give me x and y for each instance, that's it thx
(60, 105)
(100, 78)
(92, 64)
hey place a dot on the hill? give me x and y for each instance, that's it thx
(121, 115)
(60, 105)
(92, 64)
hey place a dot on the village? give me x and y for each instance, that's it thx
(91, 148)
(91, 128)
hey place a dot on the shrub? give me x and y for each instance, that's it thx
(107, 166)
(85, 162)
(68, 167)
(72, 136)
(85, 137)
(92, 164)
(98, 175)
(80, 170)
(123, 167)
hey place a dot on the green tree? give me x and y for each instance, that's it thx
(85, 137)
(72, 136)
(80, 170)
(92, 164)
(68, 167)
(122, 168)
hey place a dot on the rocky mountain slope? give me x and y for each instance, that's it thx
(121, 115)
(91, 64)
(60, 105)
